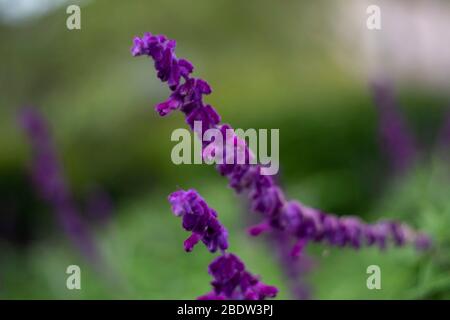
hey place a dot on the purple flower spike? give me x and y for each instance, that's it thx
(49, 182)
(232, 281)
(200, 219)
(423, 242)
(186, 96)
(396, 138)
(289, 218)
(265, 196)
(298, 247)
(212, 296)
(294, 267)
(161, 49)
(258, 229)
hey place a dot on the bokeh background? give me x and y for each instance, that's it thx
(303, 67)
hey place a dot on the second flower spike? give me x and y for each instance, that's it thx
(200, 219)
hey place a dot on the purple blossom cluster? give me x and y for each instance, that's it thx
(294, 268)
(303, 223)
(187, 92)
(396, 139)
(290, 221)
(231, 279)
(395, 136)
(200, 219)
(50, 184)
(309, 224)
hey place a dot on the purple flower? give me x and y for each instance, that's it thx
(50, 184)
(395, 136)
(186, 96)
(170, 69)
(232, 281)
(265, 196)
(200, 219)
(294, 267)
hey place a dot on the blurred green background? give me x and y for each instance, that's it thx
(272, 64)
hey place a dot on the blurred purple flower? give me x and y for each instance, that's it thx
(395, 137)
(294, 268)
(302, 222)
(200, 219)
(50, 184)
